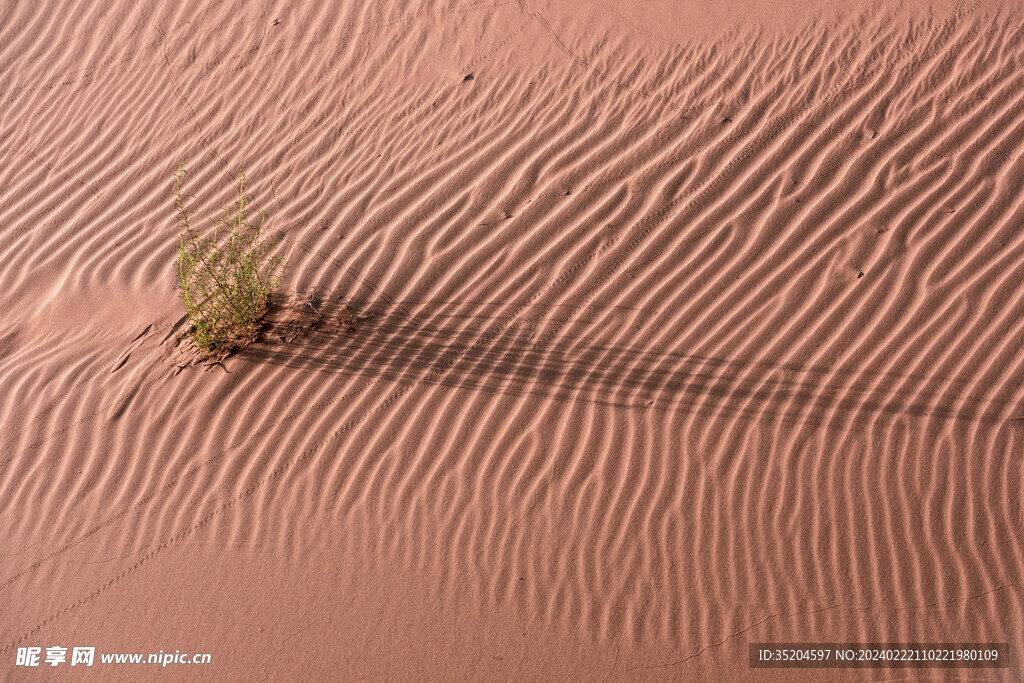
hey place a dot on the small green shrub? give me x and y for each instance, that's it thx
(225, 279)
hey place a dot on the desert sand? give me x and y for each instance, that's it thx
(682, 326)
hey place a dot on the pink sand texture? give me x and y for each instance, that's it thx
(683, 326)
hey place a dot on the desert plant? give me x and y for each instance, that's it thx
(225, 278)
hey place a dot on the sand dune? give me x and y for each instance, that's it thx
(680, 329)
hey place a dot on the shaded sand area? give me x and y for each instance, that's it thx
(685, 327)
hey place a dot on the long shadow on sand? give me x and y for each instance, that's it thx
(481, 353)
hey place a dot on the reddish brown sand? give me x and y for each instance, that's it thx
(690, 325)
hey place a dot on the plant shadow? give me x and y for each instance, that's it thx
(481, 351)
